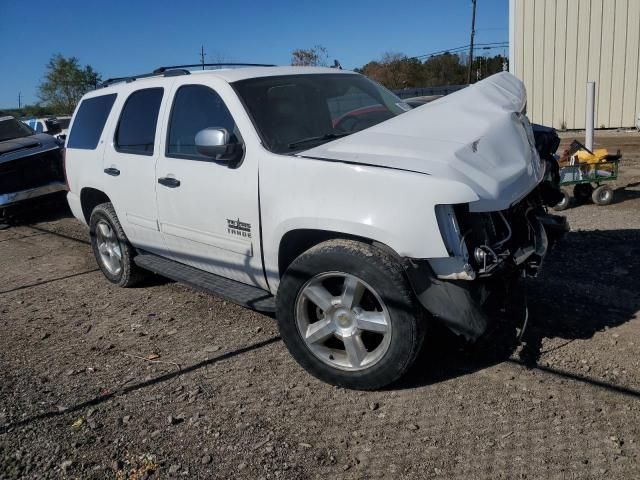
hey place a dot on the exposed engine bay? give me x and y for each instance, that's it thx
(497, 248)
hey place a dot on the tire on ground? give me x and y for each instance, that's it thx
(130, 274)
(384, 274)
(602, 195)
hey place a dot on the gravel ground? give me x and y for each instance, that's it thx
(163, 382)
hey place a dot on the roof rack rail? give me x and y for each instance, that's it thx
(175, 70)
(195, 65)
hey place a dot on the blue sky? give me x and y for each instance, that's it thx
(135, 36)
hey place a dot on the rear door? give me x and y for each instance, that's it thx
(208, 211)
(129, 166)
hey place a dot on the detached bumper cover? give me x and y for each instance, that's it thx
(457, 304)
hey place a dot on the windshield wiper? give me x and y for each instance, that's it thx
(326, 136)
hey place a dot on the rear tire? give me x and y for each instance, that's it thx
(348, 315)
(603, 195)
(111, 248)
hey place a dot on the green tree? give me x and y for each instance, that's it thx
(310, 57)
(444, 69)
(64, 83)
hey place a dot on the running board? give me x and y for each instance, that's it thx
(236, 292)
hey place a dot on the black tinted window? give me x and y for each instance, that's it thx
(136, 132)
(195, 108)
(89, 122)
(11, 128)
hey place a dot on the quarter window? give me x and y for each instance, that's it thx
(195, 108)
(89, 122)
(136, 132)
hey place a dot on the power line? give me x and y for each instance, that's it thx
(480, 46)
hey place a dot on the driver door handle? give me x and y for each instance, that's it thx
(114, 172)
(169, 182)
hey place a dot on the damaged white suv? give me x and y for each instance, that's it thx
(317, 194)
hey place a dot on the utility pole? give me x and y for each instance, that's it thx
(19, 100)
(202, 55)
(473, 33)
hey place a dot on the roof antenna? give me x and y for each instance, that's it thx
(336, 64)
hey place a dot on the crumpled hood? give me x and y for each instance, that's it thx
(476, 136)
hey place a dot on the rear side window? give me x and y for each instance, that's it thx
(89, 122)
(136, 132)
(196, 107)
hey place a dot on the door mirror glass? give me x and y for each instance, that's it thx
(215, 143)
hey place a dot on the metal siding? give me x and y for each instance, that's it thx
(560, 45)
(618, 70)
(594, 57)
(538, 61)
(559, 63)
(571, 64)
(582, 66)
(629, 107)
(528, 49)
(549, 100)
(606, 63)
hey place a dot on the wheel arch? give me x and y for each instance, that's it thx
(295, 242)
(89, 199)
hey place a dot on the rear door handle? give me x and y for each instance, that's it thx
(169, 182)
(114, 172)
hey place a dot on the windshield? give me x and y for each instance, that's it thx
(11, 128)
(298, 112)
(64, 122)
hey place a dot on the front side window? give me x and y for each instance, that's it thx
(196, 107)
(89, 122)
(298, 112)
(136, 132)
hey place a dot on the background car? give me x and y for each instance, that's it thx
(54, 126)
(31, 163)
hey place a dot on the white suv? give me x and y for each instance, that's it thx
(316, 194)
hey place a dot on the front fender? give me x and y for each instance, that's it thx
(393, 207)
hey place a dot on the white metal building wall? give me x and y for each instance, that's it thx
(557, 46)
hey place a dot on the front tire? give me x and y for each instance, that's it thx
(348, 316)
(111, 248)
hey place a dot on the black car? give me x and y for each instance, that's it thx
(31, 164)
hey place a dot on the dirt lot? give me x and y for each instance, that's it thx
(162, 382)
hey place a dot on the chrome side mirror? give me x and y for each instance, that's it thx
(215, 143)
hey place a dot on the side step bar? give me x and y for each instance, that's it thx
(236, 292)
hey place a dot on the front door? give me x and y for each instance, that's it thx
(208, 211)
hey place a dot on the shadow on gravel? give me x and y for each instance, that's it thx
(138, 386)
(622, 194)
(587, 285)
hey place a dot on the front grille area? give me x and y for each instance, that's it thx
(505, 233)
(31, 171)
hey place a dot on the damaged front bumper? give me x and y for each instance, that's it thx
(489, 252)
